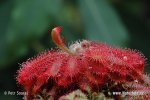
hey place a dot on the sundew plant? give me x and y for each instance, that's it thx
(85, 70)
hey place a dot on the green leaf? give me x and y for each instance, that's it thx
(5, 10)
(102, 22)
(24, 25)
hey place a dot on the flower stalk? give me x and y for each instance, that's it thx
(58, 40)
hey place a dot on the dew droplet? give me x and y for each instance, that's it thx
(90, 67)
(140, 62)
(125, 58)
(59, 75)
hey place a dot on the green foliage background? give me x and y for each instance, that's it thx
(25, 27)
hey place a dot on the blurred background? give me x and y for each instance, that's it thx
(25, 27)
